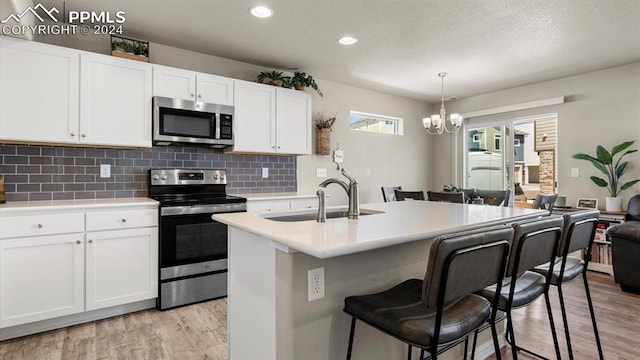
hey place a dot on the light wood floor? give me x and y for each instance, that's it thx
(199, 331)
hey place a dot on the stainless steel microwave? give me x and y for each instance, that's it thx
(191, 123)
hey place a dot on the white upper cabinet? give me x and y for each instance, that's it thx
(271, 120)
(254, 118)
(293, 114)
(188, 85)
(115, 101)
(39, 98)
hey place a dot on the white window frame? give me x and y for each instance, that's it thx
(398, 123)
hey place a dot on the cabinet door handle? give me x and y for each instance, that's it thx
(278, 147)
(40, 226)
(124, 220)
(90, 241)
(273, 147)
(78, 242)
(192, 94)
(199, 95)
(83, 135)
(72, 134)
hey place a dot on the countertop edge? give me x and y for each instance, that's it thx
(27, 206)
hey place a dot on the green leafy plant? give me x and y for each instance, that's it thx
(301, 80)
(606, 162)
(324, 121)
(275, 78)
(451, 188)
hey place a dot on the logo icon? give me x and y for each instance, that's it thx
(34, 11)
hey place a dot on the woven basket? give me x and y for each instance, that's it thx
(323, 141)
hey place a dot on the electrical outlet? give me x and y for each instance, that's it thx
(321, 172)
(316, 283)
(265, 173)
(105, 170)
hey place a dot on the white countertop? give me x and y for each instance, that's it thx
(402, 222)
(275, 196)
(26, 206)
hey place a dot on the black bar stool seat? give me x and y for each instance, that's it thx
(530, 285)
(400, 311)
(573, 268)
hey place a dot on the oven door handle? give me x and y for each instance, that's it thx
(202, 209)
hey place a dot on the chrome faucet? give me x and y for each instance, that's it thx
(352, 191)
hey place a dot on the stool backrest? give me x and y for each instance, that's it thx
(388, 193)
(452, 197)
(535, 242)
(463, 263)
(578, 232)
(545, 201)
(495, 197)
(414, 195)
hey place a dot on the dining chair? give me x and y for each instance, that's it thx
(535, 242)
(577, 235)
(544, 201)
(413, 195)
(452, 197)
(494, 197)
(388, 193)
(440, 311)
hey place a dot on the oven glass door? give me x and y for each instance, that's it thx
(185, 123)
(188, 239)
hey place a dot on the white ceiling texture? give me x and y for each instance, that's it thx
(484, 45)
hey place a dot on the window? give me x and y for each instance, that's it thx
(496, 140)
(375, 123)
(476, 137)
(516, 142)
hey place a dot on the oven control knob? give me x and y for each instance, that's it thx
(156, 177)
(221, 176)
(163, 176)
(215, 176)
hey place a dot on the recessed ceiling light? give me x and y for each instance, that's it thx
(347, 40)
(261, 11)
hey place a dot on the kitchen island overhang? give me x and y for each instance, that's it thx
(269, 315)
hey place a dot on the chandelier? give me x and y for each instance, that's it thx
(437, 124)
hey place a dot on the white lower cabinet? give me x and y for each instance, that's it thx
(41, 278)
(121, 267)
(51, 267)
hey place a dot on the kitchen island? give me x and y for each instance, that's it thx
(269, 314)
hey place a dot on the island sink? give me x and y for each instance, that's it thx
(307, 216)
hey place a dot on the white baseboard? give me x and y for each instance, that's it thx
(70, 320)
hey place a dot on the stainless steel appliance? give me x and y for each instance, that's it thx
(191, 123)
(193, 246)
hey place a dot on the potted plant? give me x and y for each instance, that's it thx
(275, 78)
(323, 123)
(130, 48)
(301, 80)
(606, 162)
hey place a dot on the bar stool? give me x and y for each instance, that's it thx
(545, 202)
(578, 232)
(441, 310)
(452, 197)
(413, 195)
(535, 242)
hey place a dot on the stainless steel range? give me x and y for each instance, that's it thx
(193, 247)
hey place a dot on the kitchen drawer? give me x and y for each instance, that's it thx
(304, 204)
(121, 219)
(258, 206)
(48, 224)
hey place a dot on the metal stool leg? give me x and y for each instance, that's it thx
(564, 320)
(552, 324)
(514, 347)
(473, 347)
(353, 328)
(409, 353)
(593, 315)
(496, 345)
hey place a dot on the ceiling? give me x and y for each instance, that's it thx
(484, 45)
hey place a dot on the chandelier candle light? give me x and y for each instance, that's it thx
(437, 124)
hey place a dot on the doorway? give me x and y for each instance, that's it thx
(517, 154)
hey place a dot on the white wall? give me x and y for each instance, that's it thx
(373, 159)
(601, 107)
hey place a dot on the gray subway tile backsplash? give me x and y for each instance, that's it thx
(35, 172)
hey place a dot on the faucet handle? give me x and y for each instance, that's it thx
(322, 211)
(351, 180)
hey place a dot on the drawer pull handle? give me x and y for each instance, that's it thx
(78, 242)
(124, 220)
(39, 226)
(90, 241)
